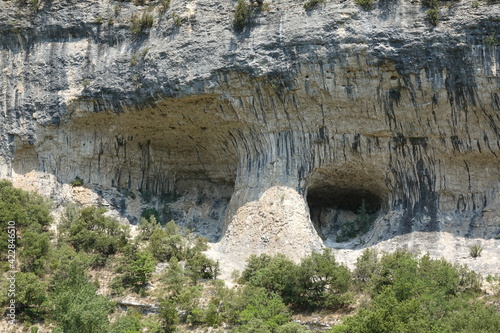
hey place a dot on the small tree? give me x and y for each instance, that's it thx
(268, 307)
(93, 232)
(169, 315)
(241, 14)
(433, 16)
(140, 268)
(147, 226)
(323, 282)
(201, 267)
(35, 250)
(30, 293)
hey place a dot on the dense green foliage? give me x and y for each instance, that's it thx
(91, 231)
(318, 282)
(433, 16)
(411, 294)
(137, 269)
(77, 307)
(27, 209)
(241, 15)
(433, 11)
(60, 279)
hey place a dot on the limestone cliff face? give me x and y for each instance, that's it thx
(303, 114)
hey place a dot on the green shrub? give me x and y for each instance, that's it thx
(168, 314)
(26, 209)
(433, 16)
(361, 225)
(134, 60)
(261, 305)
(75, 305)
(174, 278)
(494, 282)
(77, 181)
(35, 248)
(167, 243)
(311, 4)
(475, 317)
(91, 231)
(365, 4)
(138, 268)
(140, 24)
(31, 294)
(277, 274)
(164, 5)
(367, 266)
(322, 282)
(147, 226)
(201, 267)
(63, 258)
(77, 308)
(475, 250)
(241, 15)
(415, 295)
(254, 325)
(30, 216)
(177, 19)
(130, 323)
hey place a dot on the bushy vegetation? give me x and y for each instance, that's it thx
(60, 280)
(475, 250)
(311, 4)
(433, 11)
(77, 181)
(365, 4)
(318, 282)
(433, 16)
(241, 15)
(141, 23)
(411, 294)
(91, 231)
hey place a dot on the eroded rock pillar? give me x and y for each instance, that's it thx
(268, 212)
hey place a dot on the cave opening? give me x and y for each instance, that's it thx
(343, 199)
(340, 213)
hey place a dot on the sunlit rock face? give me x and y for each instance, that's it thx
(266, 140)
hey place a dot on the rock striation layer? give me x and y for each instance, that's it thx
(246, 135)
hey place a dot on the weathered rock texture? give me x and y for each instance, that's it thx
(331, 107)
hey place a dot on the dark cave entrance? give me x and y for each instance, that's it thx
(344, 205)
(344, 199)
